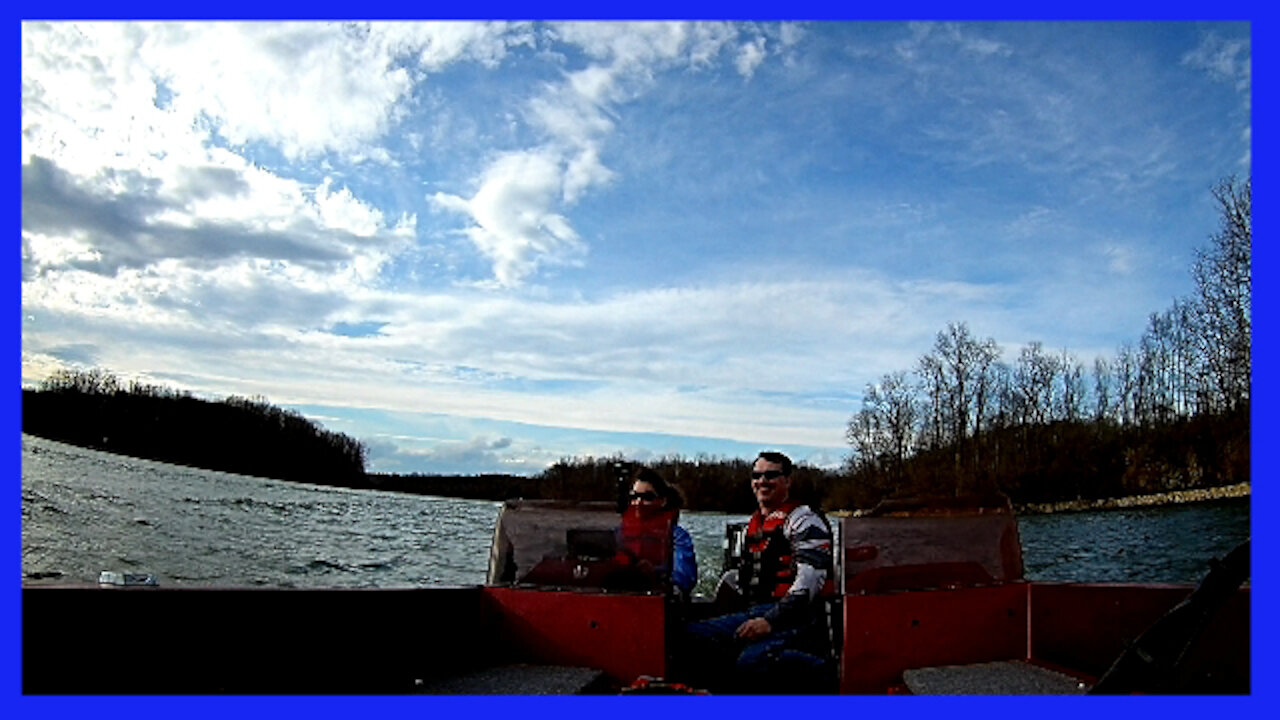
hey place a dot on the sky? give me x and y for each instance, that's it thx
(485, 247)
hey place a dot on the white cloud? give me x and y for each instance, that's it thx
(750, 55)
(574, 116)
(514, 226)
(1229, 60)
(481, 453)
(518, 222)
(929, 36)
(340, 210)
(639, 45)
(1034, 224)
(202, 216)
(304, 87)
(584, 171)
(790, 34)
(89, 103)
(1119, 259)
(119, 172)
(438, 44)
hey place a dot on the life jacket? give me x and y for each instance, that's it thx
(645, 534)
(768, 565)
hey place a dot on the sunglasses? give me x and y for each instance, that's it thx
(767, 474)
(646, 496)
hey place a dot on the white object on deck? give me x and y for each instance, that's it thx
(115, 578)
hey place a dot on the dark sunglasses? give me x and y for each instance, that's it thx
(767, 474)
(646, 496)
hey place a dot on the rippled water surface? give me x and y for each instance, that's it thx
(85, 511)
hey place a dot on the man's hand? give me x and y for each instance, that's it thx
(754, 628)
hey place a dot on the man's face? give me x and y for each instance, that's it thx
(768, 483)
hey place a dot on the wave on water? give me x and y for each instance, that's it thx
(383, 565)
(320, 566)
(39, 501)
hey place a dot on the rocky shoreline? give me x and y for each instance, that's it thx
(1174, 497)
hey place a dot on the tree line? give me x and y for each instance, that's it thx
(93, 408)
(707, 483)
(1170, 412)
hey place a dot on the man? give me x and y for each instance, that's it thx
(778, 643)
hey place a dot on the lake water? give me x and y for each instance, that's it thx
(85, 511)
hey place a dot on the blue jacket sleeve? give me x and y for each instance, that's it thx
(684, 573)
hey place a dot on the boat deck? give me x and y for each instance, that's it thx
(1009, 677)
(519, 679)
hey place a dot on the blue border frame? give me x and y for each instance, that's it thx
(1264, 624)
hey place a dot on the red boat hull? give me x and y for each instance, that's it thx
(162, 640)
(1077, 628)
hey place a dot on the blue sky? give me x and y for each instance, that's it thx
(482, 247)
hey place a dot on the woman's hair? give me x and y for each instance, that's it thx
(667, 491)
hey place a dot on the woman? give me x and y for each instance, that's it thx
(650, 491)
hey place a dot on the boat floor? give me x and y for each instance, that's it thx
(1009, 677)
(519, 680)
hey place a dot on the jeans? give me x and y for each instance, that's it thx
(783, 661)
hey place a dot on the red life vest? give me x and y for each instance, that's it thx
(769, 566)
(768, 569)
(645, 534)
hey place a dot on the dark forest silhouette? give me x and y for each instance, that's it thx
(94, 409)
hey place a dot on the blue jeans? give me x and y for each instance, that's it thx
(782, 661)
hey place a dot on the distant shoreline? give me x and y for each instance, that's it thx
(1173, 497)
(1162, 499)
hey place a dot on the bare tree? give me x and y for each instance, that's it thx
(1224, 287)
(1187, 366)
(1033, 382)
(986, 378)
(933, 385)
(1126, 385)
(1071, 397)
(901, 413)
(865, 434)
(882, 432)
(1155, 399)
(1102, 390)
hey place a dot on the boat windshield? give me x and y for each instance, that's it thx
(921, 550)
(582, 545)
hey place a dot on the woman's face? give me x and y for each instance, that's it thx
(643, 493)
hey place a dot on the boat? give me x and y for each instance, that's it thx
(930, 599)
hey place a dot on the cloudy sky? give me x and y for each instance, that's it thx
(482, 247)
